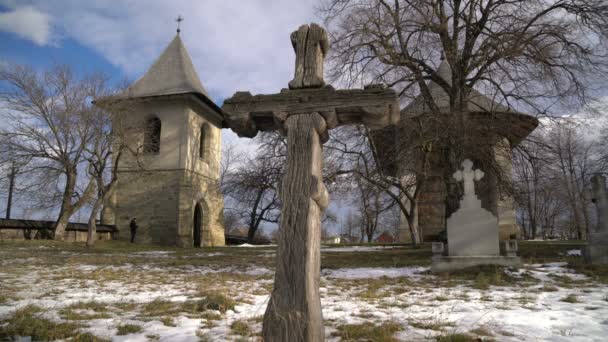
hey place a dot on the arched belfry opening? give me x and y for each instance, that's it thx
(152, 135)
(197, 227)
(204, 142)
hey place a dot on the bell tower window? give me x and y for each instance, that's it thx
(204, 142)
(152, 136)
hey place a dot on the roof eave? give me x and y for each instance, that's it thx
(197, 97)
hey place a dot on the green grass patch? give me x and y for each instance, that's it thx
(482, 277)
(571, 298)
(240, 328)
(597, 273)
(212, 301)
(456, 338)
(126, 329)
(168, 321)
(548, 288)
(539, 252)
(158, 307)
(368, 332)
(431, 325)
(88, 337)
(441, 298)
(27, 321)
(81, 311)
(395, 257)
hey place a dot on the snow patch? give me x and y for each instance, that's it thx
(364, 273)
(358, 248)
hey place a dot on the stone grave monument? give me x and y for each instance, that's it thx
(472, 232)
(304, 113)
(596, 251)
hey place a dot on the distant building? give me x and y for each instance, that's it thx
(386, 237)
(332, 240)
(171, 184)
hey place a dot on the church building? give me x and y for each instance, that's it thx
(168, 179)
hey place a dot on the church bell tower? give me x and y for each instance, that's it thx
(168, 180)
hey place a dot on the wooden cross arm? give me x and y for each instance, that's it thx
(373, 106)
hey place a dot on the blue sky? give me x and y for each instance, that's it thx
(82, 59)
(235, 45)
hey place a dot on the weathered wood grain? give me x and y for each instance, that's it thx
(305, 113)
(294, 310)
(374, 106)
(310, 44)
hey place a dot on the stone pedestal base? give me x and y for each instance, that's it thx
(454, 263)
(596, 254)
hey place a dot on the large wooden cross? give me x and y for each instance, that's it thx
(304, 113)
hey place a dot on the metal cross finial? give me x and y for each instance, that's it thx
(179, 21)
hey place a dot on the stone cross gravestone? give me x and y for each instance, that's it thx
(304, 113)
(597, 248)
(472, 230)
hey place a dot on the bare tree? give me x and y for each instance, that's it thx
(531, 52)
(46, 115)
(353, 154)
(11, 168)
(372, 203)
(551, 175)
(575, 159)
(252, 186)
(349, 227)
(535, 56)
(104, 151)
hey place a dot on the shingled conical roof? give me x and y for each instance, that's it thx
(172, 73)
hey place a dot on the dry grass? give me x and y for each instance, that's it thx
(571, 298)
(368, 332)
(126, 329)
(240, 328)
(28, 321)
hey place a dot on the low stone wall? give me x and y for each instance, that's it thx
(32, 229)
(73, 235)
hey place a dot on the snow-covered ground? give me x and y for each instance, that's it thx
(546, 302)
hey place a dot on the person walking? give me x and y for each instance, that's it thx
(133, 226)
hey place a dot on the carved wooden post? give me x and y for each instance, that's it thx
(304, 113)
(294, 311)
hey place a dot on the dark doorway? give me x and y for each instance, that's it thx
(198, 223)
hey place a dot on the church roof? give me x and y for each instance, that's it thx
(475, 103)
(172, 73)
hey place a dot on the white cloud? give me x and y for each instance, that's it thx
(29, 23)
(235, 45)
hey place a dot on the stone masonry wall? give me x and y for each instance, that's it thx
(196, 188)
(151, 197)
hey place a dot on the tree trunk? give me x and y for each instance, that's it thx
(92, 232)
(294, 310)
(61, 225)
(11, 188)
(414, 233)
(253, 225)
(67, 209)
